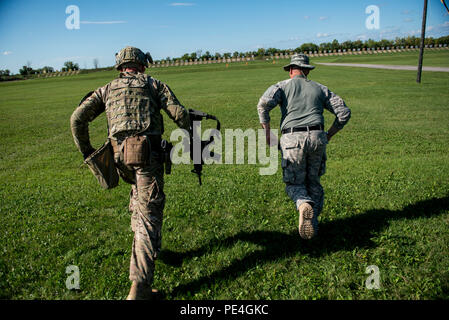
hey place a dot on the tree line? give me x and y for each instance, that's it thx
(312, 47)
(27, 70)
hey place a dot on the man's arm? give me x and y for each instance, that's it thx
(336, 106)
(171, 105)
(86, 112)
(270, 99)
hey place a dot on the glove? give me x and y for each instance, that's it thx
(87, 153)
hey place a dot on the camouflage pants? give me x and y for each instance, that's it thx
(146, 203)
(303, 163)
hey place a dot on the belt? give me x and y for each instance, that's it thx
(307, 128)
(155, 142)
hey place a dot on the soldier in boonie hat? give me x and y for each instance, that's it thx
(303, 141)
(300, 60)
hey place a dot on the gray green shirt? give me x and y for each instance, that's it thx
(302, 102)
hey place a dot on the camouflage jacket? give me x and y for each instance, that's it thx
(159, 96)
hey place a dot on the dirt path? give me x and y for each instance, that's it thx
(384, 66)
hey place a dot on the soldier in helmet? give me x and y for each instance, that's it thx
(303, 141)
(132, 103)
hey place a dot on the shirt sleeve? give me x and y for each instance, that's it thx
(270, 99)
(336, 106)
(86, 112)
(172, 107)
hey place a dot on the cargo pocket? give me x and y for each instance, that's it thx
(287, 172)
(291, 151)
(322, 169)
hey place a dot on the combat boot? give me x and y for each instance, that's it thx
(308, 225)
(141, 291)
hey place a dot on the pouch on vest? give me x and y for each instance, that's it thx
(101, 163)
(136, 151)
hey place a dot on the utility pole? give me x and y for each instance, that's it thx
(421, 48)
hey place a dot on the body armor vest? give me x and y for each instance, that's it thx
(129, 105)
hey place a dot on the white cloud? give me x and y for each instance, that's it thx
(181, 4)
(307, 17)
(323, 18)
(6, 53)
(102, 22)
(408, 20)
(323, 35)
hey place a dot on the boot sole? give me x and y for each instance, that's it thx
(306, 228)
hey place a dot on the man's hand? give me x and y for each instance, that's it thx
(270, 138)
(332, 131)
(87, 153)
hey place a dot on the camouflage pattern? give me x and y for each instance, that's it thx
(132, 55)
(128, 106)
(300, 60)
(303, 163)
(158, 97)
(302, 103)
(310, 103)
(133, 103)
(146, 204)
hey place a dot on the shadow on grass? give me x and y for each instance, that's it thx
(337, 235)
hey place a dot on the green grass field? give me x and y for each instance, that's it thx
(387, 194)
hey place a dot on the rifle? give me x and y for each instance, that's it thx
(196, 115)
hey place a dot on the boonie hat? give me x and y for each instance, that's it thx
(300, 60)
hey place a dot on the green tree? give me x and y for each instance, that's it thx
(70, 65)
(260, 52)
(358, 44)
(348, 45)
(26, 70)
(206, 55)
(271, 51)
(429, 41)
(443, 40)
(193, 56)
(335, 45)
(307, 47)
(370, 43)
(325, 46)
(47, 69)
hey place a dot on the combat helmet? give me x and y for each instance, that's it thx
(132, 54)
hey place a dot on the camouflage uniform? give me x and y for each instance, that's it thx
(302, 103)
(132, 103)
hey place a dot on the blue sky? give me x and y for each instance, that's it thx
(35, 31)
